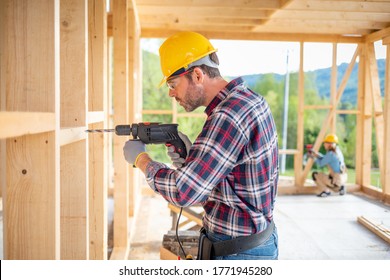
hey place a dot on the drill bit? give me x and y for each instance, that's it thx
(100, 130)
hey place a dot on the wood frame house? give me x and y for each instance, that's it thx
(56, 58)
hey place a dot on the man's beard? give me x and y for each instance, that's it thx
(194, 97)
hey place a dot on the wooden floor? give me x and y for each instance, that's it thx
(310, 228)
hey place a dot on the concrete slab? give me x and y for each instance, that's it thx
(310, 228)
(313, 228)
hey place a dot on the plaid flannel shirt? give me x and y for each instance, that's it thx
(231, 168)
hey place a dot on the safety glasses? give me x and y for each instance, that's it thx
(173, 82)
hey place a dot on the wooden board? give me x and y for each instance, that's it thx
(377, 228)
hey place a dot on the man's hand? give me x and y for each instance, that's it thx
(177, 161)
(132, 150)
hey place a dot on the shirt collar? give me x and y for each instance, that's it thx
(222, 95)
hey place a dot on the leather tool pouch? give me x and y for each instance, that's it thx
(205, 247)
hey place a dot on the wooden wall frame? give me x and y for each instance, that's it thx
(56, 82)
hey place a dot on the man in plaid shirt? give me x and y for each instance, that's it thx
(232, 167)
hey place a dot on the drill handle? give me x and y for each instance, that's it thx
(179, 146)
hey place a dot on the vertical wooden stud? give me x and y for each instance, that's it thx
(298, 158)
(377, 106)
(3, 161)
(386, 146)
(29, 51)
(359, 117)
(366, 135)
(74, 156)
(333, 89)
(134, 74)
(97, 102)
(121, 116)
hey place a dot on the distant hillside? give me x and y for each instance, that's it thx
(322, 77)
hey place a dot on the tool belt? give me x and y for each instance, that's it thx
(208, 249)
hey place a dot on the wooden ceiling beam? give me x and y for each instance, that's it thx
(179, 19)
(340, 6)
(258, 36)
(331, 15)
(313, 28)
(279, 28)
(327, 24)
(258, 4)
(200, 26)
(207, 11)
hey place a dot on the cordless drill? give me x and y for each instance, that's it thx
(151, 133)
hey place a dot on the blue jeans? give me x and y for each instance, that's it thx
(266, 251)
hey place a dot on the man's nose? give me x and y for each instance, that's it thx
(171, 93)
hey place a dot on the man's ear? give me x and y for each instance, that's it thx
(198, 75)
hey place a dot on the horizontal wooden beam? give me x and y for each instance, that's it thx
(317, 107)
(340, 6)
(181, 19)
(71, 135)
(376, 36)
(332, 15)
(288, 152)
(258, 36)
(14, 124)
(347, 112)
(322, 24)
(228, 12)
(95, 116)
(259, 4)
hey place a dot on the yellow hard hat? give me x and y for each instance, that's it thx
(331, 138)
(182, 49)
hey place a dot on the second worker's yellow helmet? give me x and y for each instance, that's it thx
(331, 138)
(182, 49)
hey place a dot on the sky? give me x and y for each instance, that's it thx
(254, 57)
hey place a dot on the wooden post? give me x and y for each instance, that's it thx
(74, 156)
(298, 158)
(133, 93)
(359, 118)
(333, 90)
(377, 103)
(121, 116)
(29, 49)
(97, 95)
(365, 106)
(386, 144)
